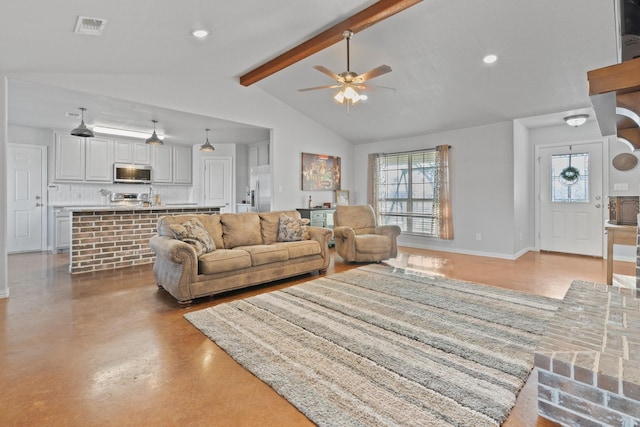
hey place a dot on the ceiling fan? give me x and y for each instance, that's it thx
(349, 81)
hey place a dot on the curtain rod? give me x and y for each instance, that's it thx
(416, 151)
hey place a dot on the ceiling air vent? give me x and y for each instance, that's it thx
(90, 26)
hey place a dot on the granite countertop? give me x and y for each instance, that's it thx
(116, 207)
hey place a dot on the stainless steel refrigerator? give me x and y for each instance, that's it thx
(260, 182)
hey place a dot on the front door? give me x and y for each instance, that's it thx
(571, 205)
(218, 183)
(26, 219)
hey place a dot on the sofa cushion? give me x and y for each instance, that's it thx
(302, 248)
(269, 223)
(373, 244)
(292, 229)
(223, 260)
(193, 232)
(265, 254)
(211, 223)
(240, 229)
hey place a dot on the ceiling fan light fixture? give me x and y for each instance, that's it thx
(576, 120)
(153, 139)
(82, 130)
(339, 97)
(207, 147)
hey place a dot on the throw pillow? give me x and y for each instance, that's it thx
(292, 229)
(193, 232)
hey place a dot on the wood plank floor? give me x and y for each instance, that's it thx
(109, 348)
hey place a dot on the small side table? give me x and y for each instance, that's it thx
(619, 235)
(319, 217)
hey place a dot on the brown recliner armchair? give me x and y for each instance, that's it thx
(359, 239)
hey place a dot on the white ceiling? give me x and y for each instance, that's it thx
(435, 48)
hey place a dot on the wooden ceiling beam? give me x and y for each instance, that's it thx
(356, 23)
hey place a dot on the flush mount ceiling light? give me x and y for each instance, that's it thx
(82, 130)
(207, 145)
(576, 120)
(200, 34)
(153, 139)
(124, 132)
(490, 59)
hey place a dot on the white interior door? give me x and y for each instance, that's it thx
(571, 205)
(218, 183)
(26, 218)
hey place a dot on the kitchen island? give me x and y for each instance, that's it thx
(114, 236)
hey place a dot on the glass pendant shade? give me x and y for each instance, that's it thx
(82, 130)
(207, 145)
(153, 139)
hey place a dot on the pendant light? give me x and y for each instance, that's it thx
(82, 130)
(153, 139)
(207, 145)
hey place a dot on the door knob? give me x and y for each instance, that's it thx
(38, 205)
(598, 205)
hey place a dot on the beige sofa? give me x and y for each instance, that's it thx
(247, 252)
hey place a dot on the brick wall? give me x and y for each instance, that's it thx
(106, 240)
(588, 363)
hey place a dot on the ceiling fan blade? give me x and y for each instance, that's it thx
(319, 87)
(369, 86)
(328, 72)
(371, 74)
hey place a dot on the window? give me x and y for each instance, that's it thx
(411, 191)
(570, 178)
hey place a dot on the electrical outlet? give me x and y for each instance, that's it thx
(478, 236)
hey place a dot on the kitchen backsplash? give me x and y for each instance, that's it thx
(90, 194)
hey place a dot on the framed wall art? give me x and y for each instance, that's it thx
(342, 197)
(320, 172)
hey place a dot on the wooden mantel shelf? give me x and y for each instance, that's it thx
(617, 86)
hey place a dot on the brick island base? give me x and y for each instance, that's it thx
(104, 239)
(589, 360)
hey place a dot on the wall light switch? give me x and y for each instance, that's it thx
(621, 186)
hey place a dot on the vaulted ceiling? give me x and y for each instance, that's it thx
(434, 48)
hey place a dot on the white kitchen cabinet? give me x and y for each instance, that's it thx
(135, 152)
(182, 165)
(69, 158)
(259, 154)
(59, 229)
(162, 166)
(99, 160)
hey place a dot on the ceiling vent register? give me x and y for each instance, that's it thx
(90, 26)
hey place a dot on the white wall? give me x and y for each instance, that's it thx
(4, 277)
(523, 190)
(292, 132)
(482, 186)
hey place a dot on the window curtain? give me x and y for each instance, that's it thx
(373, 179)
(442, 194)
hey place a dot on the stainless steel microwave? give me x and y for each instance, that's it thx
(131, 174)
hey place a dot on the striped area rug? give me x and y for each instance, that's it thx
(379, 346)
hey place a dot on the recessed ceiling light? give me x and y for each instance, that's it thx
(489, 59)
(200, 34)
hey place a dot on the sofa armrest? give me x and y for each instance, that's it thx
(176, 266)
(322, 236)
(392, 231)
(345, 238)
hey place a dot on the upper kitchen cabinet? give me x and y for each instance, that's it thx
(69, 158)
(162, 165)
(182, 165)
(259, 154)
(99, 160)
(131, 152)
(83, 159)
(172, 164)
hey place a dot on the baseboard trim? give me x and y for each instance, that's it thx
(512, 257)
(4, 293)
